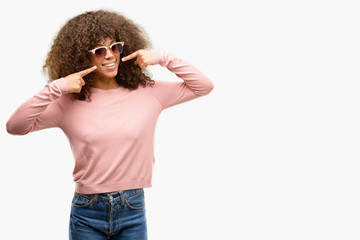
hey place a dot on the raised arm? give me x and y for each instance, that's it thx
(41, 111)
(195, 83)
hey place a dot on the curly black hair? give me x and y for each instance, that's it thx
(69, 51)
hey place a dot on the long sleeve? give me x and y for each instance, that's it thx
(195, 84)
(40, 111)
(111, 136)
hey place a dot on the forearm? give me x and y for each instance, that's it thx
(27, 117)
(196, 81)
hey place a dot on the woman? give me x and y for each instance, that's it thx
(100, 95)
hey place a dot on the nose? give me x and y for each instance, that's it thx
(109, 53)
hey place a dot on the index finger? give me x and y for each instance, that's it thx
(87, 71)
(131, 56)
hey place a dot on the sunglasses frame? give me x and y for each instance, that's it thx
(107, 47)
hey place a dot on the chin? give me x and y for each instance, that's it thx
(110, 75)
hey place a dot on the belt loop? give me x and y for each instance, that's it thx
(122, 197)
(96, 198)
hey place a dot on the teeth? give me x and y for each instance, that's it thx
(110, 65)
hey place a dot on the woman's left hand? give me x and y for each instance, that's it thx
(143, 58)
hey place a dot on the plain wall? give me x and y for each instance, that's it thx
(271, 153)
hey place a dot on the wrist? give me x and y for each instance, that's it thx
(157, 56)
(61, 84)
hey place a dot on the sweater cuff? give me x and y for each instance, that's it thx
(61, 84)
(157, 56)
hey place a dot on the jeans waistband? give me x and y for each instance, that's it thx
(112, 195)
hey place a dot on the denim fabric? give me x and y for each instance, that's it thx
(117, 215)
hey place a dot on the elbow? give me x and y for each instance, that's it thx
(207, 88)
(210, 87)
(13, 130)
(10, 128)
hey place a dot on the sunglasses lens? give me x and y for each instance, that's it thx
(117, 48)
(100, 52)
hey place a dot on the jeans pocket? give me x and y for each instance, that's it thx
(136, 201)
(81, 200)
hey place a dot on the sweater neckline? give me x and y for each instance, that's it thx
(99, 90)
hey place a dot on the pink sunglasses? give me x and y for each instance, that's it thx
(116, 48)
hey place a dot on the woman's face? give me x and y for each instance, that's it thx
(107, 67)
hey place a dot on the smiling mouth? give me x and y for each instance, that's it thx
(109, 65)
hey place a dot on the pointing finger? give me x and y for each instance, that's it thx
(131, 56)
(87, 71)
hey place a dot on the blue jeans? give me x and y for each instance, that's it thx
(115, 216)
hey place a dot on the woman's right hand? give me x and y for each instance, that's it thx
(75, 81)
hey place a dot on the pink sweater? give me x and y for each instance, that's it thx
(112, 136)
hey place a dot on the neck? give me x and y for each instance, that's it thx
(106, 84)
